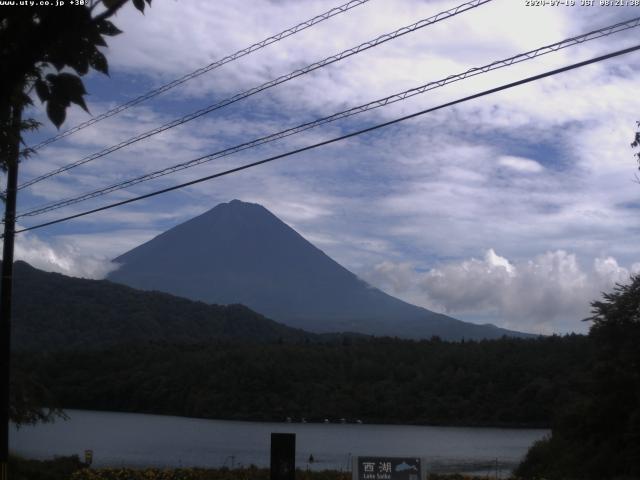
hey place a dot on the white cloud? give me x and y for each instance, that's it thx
(494, 261)
(61, 258)
(548, 293)
(520, 164)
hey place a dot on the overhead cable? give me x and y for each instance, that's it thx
(272, 83)
(196, 73)
(337, 139)
(579, 39)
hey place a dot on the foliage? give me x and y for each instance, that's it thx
(599, 437)
(44, 50)
(59, 468)
(27, 393)
(71, 468)
(250, 473)
(636, 144)
(507, 382)
(47, 50)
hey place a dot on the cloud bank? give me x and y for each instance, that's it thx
(62, 257)
(549, 293)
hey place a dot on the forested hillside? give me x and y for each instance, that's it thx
(56, 312)
(514, 382)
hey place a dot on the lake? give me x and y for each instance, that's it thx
(128, 439)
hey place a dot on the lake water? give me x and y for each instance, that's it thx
(126, 439)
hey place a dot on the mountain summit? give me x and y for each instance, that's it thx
(240, 252)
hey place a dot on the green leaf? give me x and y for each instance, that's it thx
(79, 61)
(81, 103)
(42, 89)
(65, 88)
(94, 37)
(99, 62)
(30, 125)
(71, 83)
(58, 64)
(98, 40)
(25, 99)
(56, 113)
(105, 27)
(139, 4)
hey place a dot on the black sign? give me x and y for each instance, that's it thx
(388, 468)
(283, 456)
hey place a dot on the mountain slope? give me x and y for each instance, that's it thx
(241, 253)
(55, 312)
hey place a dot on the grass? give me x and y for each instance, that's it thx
(71, 468)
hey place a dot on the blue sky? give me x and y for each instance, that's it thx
(516, 209)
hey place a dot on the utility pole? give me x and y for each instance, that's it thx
(6, 284)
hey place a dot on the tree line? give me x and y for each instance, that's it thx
(506, 382)
(597, 436)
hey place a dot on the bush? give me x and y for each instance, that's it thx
(60, 468)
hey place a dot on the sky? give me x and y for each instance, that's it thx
(517, 209)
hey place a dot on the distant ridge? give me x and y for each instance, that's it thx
(53, 312)
(240, 252)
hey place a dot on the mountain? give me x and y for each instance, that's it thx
(240, 252)
(55, 312)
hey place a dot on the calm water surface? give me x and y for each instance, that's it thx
(127, 439)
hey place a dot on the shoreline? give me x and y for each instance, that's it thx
(375, 422)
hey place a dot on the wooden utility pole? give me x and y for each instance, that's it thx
(6, 283)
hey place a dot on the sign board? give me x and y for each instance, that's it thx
(283, 456)
(387, 468)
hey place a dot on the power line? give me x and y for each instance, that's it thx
(272, 83)
(218, 63)
(337, 139)
(579, 39)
